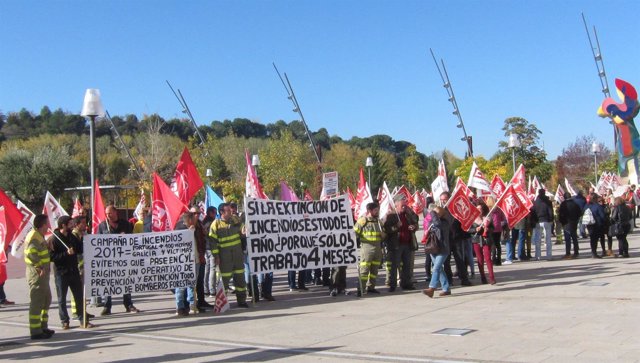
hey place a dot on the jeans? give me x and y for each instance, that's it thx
(209, 273)
(181, 303)
(623, 244)
(302, 274)
(570, 236)
(537, 238)
(510, 247)
(63, 284)
(438, 272)
(520, 235)
(468, 253)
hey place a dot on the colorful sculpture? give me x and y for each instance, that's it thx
(622, 114)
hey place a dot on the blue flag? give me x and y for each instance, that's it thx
(212, 199)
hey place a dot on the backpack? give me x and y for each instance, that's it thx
(587, 218)
(434, 244)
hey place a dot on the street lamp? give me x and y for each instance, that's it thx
(514, 142)
(595, 149)
(369, 164)
(92, 108)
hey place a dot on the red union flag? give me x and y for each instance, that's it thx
(98, 213)
(77, 208)
(222, 304)
(166, 207)
(25, 226)
(518, 177)
(461, 207)
(15, 220)
(522, 195)
(186, 180)
(418, 203)
(408, 197)
(512, 206)
(307, 195)
(497, 185)
(352, 200)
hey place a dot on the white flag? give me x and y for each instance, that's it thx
(53, 210)
(569, 188)
(479, 181)
(385, 201)
(559, 197)
(18, 241)
(222, 303)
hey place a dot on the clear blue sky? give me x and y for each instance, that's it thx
(358, 67)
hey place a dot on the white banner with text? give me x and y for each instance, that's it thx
(116, 264)
(283, 235)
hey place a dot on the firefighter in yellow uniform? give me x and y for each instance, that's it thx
(369, 234)
(226, 247)
(36, 257)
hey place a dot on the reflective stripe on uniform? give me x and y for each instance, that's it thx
(240, 271)
(226, 274)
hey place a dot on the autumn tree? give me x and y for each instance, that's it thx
(576, 163)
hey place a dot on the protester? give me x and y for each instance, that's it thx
(630, 201)
(138, 225)
(426, 222)
(79, 231)
(621, 215)
(226, 247)
(114, 225)
(65, 248)
(569, 215)
(369, 236)
(499, 222)
(185, 297)
(597, 227)
(544, 215)
(210, 265)
(439, 226)
(36, 257)
(482, 241)
(400, 227)
(200, 239)
(459, 245)
(582, 203)
(605, 229)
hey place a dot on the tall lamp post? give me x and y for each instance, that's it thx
(595, 149)
(92, 108)
(514, 142)
(369, 164)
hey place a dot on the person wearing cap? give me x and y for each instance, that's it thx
(369, 236)
(65, 248)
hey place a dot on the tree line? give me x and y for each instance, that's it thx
(50, 151)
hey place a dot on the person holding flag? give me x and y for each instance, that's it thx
(483, 241)
(400, 227)
(65, 248)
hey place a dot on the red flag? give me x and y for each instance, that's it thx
(77, 208)
(3, 249)
(252, 184)
(497, 185)
(307, 195)
(512, 206)
(98, 214)
(518, 177)
(461, 207)
(523, 196)
(14, 219)
(363, 197)
(166, 207)
(186, 180)
(407, 195)
(467, 191)
(287, 193)
(419, 203)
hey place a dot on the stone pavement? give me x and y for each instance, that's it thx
(582, 310)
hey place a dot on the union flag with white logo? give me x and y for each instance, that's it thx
(497, 185)
(512, 206)
(461, 207)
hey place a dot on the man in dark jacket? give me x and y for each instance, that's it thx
(569, 215)
(581, 201)
(544, 215)
(65, 248)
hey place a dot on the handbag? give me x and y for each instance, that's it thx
(615, 230)
(433, 245)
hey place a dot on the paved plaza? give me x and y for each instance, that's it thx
(583, 310)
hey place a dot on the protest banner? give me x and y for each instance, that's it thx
(116, 264)
(285, 235)
(330, 184)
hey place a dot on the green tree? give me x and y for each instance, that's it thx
(414, 166)
(529, 153)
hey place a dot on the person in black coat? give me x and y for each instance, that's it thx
(569, 215)
(543, 210)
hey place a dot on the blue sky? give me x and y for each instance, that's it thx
(358, 67)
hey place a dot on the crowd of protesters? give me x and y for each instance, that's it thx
(220, 248)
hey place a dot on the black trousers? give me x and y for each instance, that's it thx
(339, 278)
(63, 284)
(594, 236)
(457, 250)
(200, 284)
